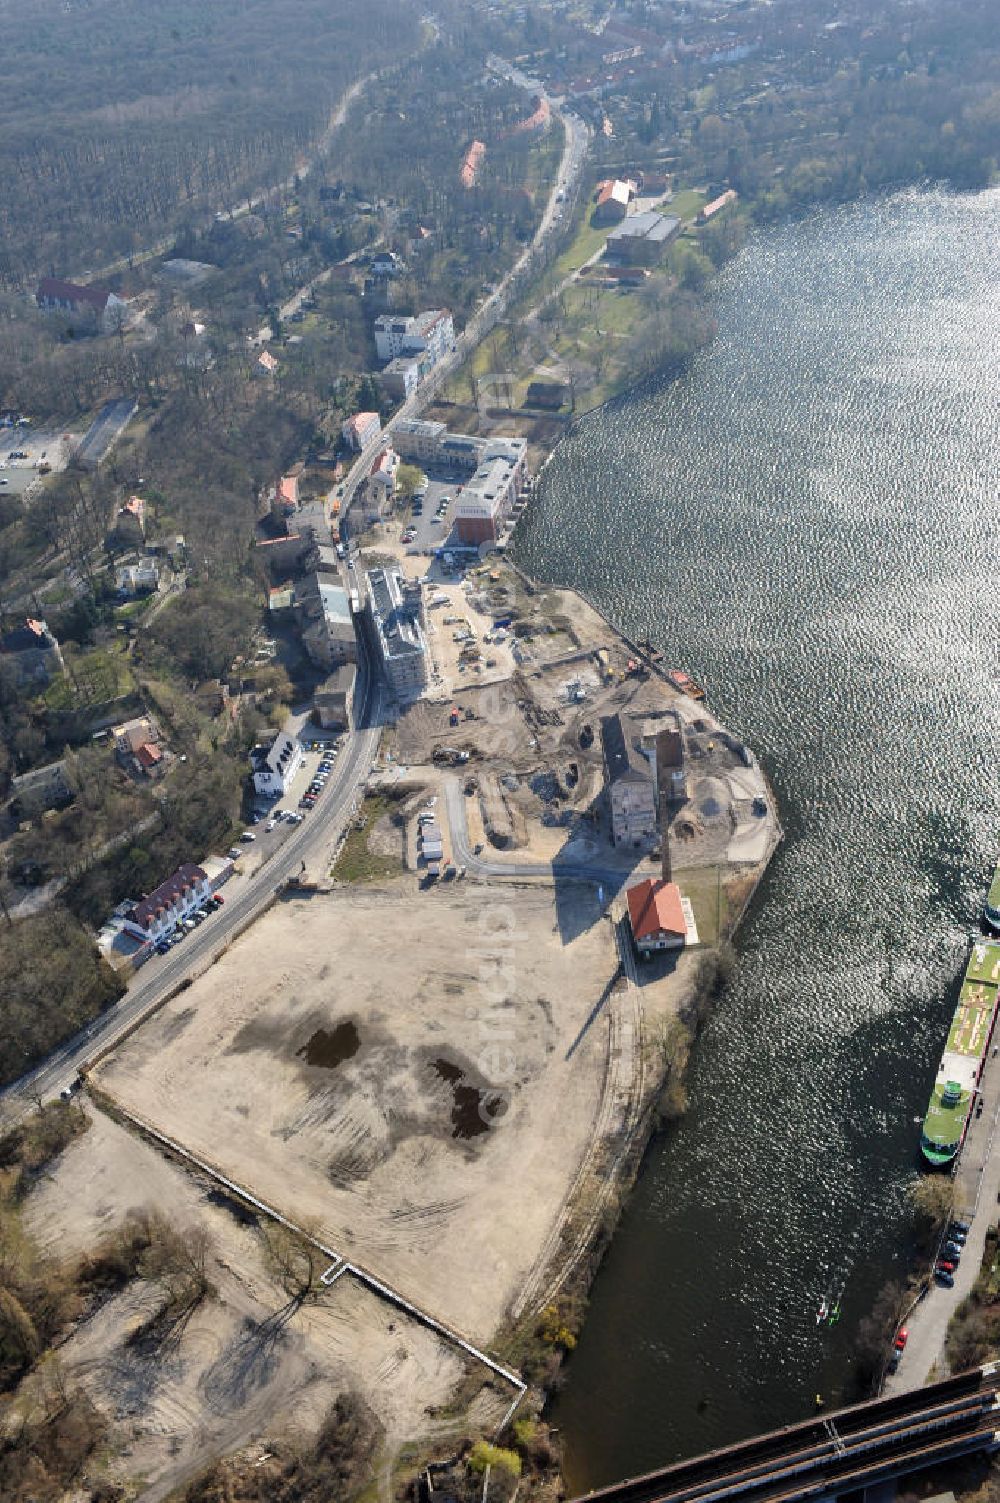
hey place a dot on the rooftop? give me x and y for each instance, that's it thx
(161, 898)
(646, 226)
(654, 907)
(622, 756)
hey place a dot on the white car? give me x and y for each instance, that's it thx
(247, 836)
(270, 825)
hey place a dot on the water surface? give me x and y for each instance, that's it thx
(807, 522)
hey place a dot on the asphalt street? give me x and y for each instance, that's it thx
(162, 974)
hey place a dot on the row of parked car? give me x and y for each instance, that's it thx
(318, 783)
(186, 926)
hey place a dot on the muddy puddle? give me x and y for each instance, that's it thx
(326, 1049)
(474, 1109)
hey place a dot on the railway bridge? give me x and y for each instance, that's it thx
(832, 1455)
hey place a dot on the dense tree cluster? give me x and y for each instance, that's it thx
(113, 115)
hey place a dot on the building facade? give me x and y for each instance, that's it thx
(361, 430)
(629, 783)
(275, 766)
(106, 311)
(157, 916)
(656, 914)
(394, 607)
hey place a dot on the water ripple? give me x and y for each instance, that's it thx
(807, 522)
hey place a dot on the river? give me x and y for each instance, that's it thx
(807, 522)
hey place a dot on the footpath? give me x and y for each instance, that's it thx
(977, 1195)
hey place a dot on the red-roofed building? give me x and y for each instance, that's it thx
(656, 913)
(612, 201)
(158, 915)
(148, 756)
(361, 430)
(287, 496)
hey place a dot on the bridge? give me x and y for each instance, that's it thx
(834, 1454)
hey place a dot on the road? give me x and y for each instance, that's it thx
(161, 975)
(552, 871)
(571, 164)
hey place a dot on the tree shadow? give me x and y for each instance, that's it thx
(250, 1361)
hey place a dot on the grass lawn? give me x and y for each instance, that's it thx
(708, 900)
(585, 243)
(686, 203)
(356, 862)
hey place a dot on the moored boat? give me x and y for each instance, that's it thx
(685, 683)
(957, 1084)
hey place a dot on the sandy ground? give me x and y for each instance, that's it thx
(243, 1367)
(471, 1052)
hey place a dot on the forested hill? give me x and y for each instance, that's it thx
(115, 114)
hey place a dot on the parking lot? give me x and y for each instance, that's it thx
(273, 820)
(430, 531)
(38, 447)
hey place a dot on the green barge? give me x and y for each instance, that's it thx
(957, 1084)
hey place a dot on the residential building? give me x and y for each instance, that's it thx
(139, 746)
(361, 430)
(394, 607)
(100, 307)
(612, 202)
(386, 264)
(33, 652)
(383, 474)
(267, 363)
(661, 918)
(275, 765)
(133, 510)
(629, 784)
(138, 578)
(288, 493)
(400, 378)
(487, 500)
(326, 622)
(157, 916)
(430, 443)
(430, 334)
(653, 182)
(642, 239)
(418, 439)
(43, 788)
(333, 699)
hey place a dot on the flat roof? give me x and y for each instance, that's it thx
(649, 225)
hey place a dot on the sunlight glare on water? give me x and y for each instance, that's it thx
(807, 522)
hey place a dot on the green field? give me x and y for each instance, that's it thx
(685, 203)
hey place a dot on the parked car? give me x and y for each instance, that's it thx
(952, 1250)
(234, 852)
(958, 1231)
(902, 1337)
(247, 836)
(944, 1277)
(218, 899)
(162, 947)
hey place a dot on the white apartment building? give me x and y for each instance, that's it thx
(430, 334)
(275, 766)
(158, 915)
